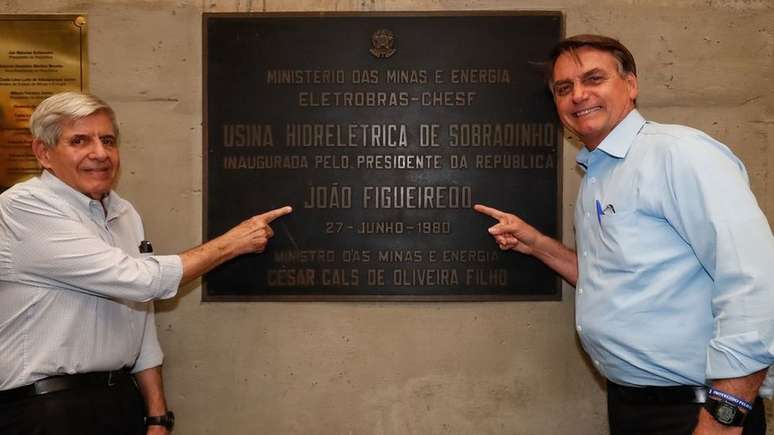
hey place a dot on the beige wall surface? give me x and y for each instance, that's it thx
(397, 368)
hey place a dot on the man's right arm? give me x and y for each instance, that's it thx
(45, 236)
(251, 236)
(513, 233)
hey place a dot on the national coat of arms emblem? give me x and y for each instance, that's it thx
(382, 41)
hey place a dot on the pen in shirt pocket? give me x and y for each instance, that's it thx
(606, 211)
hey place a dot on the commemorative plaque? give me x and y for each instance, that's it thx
(40, 55)
(382, 131)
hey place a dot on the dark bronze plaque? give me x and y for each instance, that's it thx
(381, 131)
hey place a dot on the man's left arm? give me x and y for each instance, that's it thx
(152, 389)
(147, 373)
(717, 214)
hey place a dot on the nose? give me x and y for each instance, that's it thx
(578, 93)
(98, 150)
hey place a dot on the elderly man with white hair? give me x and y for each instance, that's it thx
(78, 347)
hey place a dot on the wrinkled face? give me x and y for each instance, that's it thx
(591, 94)
(85, 157)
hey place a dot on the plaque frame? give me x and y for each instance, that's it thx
(368, 297)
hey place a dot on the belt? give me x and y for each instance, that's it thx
(54, 384)
(676, 394)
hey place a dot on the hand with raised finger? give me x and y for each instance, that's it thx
(510, 232)
(253, 234)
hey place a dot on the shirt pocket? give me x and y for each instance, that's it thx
(619, 234)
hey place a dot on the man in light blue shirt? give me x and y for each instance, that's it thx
(673, 268)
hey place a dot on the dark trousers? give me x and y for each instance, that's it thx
(634, 414)
(91, 410)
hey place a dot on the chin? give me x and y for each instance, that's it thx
(98, 192)
(588, 131)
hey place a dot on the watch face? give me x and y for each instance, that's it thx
(726, 413)
(170, 417)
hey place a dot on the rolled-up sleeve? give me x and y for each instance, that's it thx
(171, 272)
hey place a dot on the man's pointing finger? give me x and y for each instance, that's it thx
(274, 214)
(489, 211)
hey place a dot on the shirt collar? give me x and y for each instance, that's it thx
(618, 142)
(112, 202)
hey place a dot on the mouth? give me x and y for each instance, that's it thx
(100, 171)
(586, 112)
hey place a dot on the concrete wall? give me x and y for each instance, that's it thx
(397, 368)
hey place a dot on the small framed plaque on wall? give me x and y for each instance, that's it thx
(40, 55)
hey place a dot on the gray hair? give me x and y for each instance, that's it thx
(55, 111)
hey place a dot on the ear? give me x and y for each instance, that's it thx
(41, 153)
(634, 89)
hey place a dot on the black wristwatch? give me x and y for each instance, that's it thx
(724, 412)
(167, 420)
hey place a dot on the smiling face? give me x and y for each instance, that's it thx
(591, 94)
(85, 156)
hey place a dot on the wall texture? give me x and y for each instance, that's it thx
(397, 368)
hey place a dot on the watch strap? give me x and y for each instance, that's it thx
(167, 420)
(728, 397)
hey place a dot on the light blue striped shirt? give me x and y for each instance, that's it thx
(74, 290)
(676, 259)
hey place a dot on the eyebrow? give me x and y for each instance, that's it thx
(585, 75)
(86, 136)
(592, 72)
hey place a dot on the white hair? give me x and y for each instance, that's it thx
(52, 113)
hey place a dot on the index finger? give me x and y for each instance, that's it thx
(489, 211)
(274, 214)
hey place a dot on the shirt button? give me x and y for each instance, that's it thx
(597, 363)
(580, 291)
(593, 180)
(585, 253)
(588, 214)
(578, 327)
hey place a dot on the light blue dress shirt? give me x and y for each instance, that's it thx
(676, 259)
(74, 289)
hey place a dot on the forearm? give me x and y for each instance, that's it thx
(561, 259)
(151, 387)
(251, 236)
(745, 387)
(511, 232)
(203, 258)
